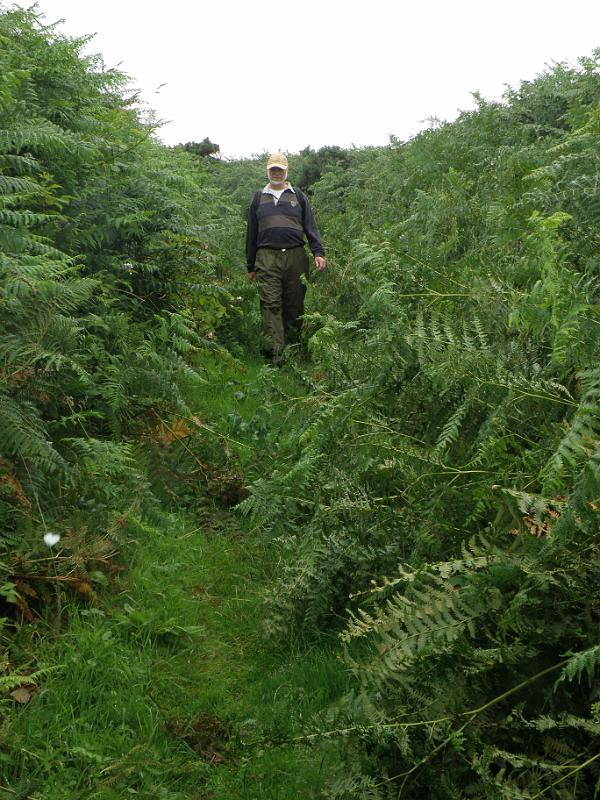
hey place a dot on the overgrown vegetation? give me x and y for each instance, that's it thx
(423, 484)
(108, 299)
(438, 503)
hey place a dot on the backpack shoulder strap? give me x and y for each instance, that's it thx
(301, 198)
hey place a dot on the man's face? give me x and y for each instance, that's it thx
(276, 175)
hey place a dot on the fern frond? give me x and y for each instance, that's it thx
(585, 661)
(582, 439)
(451, 430)
(14, 680)
(13, 185)
(22, 436)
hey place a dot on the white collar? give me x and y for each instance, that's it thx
(268, 190)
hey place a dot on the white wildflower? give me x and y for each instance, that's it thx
(51, 538)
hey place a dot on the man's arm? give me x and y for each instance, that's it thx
(251, 236)
(313, 235)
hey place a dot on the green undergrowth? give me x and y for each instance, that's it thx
(163, 685)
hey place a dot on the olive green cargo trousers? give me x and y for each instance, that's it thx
(281, 291)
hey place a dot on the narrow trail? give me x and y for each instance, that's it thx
(167, 688)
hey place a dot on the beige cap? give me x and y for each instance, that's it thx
(277, 160)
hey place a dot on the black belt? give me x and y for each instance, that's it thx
(281, 249)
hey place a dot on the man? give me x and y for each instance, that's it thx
(279, 218)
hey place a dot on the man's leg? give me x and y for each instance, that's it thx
(294, 290)
(269, 280)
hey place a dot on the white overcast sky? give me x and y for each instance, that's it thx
(265, 75)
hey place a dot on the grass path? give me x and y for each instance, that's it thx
(166, 688)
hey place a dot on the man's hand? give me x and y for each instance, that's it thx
(252, 277)
(320, 263)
